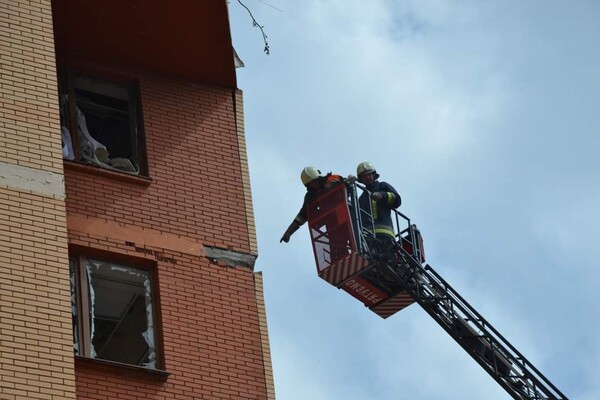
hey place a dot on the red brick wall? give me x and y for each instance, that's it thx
(210, 317)
(194, 162)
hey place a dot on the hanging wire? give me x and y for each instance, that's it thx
(271, 5)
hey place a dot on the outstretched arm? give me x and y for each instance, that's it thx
(294, 226)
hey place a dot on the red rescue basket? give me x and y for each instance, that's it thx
(333, 231)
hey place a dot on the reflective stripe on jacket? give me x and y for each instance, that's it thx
(381, 209)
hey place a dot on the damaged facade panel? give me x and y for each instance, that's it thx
(229, 258)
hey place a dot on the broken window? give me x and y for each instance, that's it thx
(100, 123)
(119, 322)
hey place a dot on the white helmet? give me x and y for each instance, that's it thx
(309, 174)
(366, 167)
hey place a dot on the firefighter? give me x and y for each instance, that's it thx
(316, 183)
(380, 199)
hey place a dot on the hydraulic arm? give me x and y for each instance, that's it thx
(389, 277)
(470, 330)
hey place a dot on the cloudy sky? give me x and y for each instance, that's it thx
(485, 116)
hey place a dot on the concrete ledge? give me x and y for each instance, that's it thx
(32, 180)
(230, 258)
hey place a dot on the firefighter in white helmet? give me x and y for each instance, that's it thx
(316, 183)
(382, 199)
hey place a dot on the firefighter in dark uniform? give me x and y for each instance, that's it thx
(378, 202)
(316, 183)
(380, 199)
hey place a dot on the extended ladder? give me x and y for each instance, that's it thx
(387, 279)
(470, 330)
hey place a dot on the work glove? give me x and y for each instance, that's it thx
(285, 237)
(289, 231)
(351, 179)
(377, 196)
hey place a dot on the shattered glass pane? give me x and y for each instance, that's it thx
(74, 311)
(121, 313)
(106, 124)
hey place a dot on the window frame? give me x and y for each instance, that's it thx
(66, 79)
(81, 291)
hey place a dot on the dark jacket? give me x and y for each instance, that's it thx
(327, 182)
(381, 209)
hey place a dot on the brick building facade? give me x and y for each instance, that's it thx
(124, 192)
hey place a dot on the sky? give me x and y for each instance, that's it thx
(485, 117)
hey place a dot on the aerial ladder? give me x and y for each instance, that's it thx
(388, 278)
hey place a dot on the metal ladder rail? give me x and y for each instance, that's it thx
(437, 305)
(508, 367)
(447, 316)
(504, 363)
(363, 234)
(536, 379)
